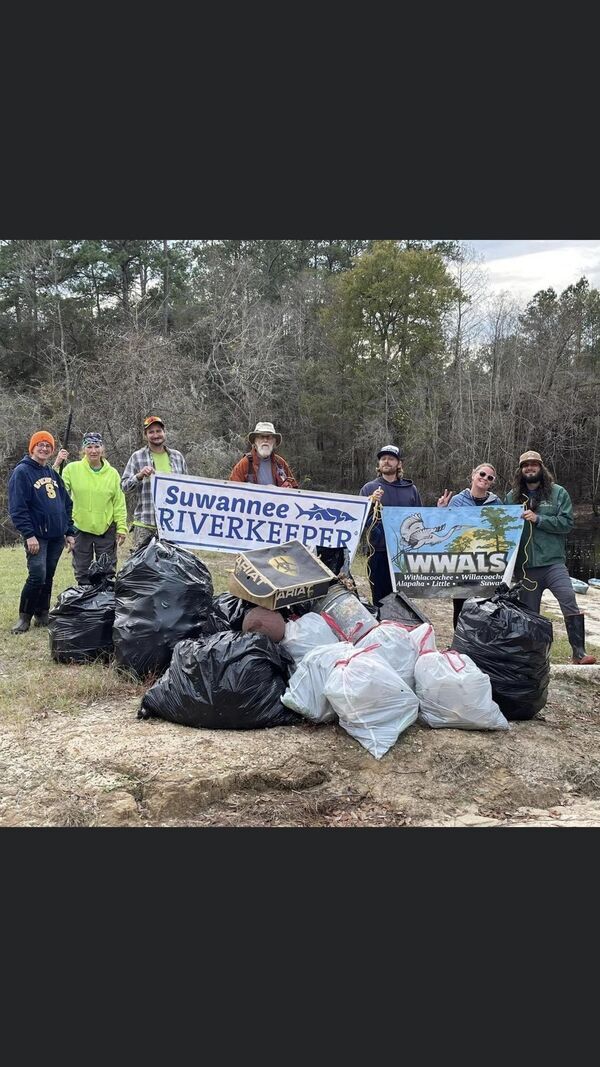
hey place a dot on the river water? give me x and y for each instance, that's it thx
(583, 549)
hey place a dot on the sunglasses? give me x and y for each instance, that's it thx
(488, 477)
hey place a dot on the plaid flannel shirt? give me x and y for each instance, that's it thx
(144, 508)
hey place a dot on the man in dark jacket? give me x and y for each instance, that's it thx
(40, 509)
(389, 489)
(541, 559)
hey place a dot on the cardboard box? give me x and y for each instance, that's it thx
(279, 576)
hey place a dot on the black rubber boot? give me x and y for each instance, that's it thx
(41, 619)
(576, 633)
(23, 624)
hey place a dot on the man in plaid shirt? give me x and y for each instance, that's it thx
(154, 456)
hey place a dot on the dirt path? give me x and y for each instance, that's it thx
(104, 767)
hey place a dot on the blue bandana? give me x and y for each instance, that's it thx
(91, 439)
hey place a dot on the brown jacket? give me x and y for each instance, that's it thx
(246, 472)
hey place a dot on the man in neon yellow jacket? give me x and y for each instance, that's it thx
(99, 507)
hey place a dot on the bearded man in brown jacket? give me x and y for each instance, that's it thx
(262, 465)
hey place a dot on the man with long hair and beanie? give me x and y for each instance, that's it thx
(541, 560)
(40, 509)
(393, 490)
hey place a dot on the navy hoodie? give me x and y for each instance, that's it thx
(399, 494)
(38, 502)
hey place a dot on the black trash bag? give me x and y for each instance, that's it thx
(227, 613)
(80, 626)
(338, 561)
(229, 681)
(334, 558)
(163, 594)
(101, 568)
(511, 644)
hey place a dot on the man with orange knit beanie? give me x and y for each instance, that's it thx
(40, 509)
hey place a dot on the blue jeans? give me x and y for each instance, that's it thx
(35, 597)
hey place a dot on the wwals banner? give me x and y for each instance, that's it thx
(440, 551)
(234, 516)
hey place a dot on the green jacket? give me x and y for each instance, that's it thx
(98, 499)
(549, 533)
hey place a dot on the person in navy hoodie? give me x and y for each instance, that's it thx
(389, 489)
(40, 509)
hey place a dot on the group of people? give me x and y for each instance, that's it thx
(85, 510)
(541, 558)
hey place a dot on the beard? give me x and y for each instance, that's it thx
(264, 451)
(533, 477)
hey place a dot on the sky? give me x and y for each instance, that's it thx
(524, 267)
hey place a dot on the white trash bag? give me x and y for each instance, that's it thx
(453, 691)
(423, 638)
(305, 691)
(399, 648)
(372, 701)
(308, 632)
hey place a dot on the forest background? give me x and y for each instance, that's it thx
(345, 345)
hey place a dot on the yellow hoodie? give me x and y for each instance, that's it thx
(98, 499)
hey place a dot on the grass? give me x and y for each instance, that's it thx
(32, 683)
(561, 651)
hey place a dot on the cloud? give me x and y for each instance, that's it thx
(525, 267)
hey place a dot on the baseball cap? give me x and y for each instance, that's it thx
(151, 419)
(530, 455)
(391, 450)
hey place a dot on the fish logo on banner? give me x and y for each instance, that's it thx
(328, 514)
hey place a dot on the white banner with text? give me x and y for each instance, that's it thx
(225, 516)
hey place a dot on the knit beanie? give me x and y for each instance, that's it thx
(41, 435)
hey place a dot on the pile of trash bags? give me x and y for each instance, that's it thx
(511, 644)
(224, 663)
(377, 685)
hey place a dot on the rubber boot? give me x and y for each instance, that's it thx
(457, 606)
(23, 624)
(41, 619)
(576, 633)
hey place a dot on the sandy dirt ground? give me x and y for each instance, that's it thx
(104, 767)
